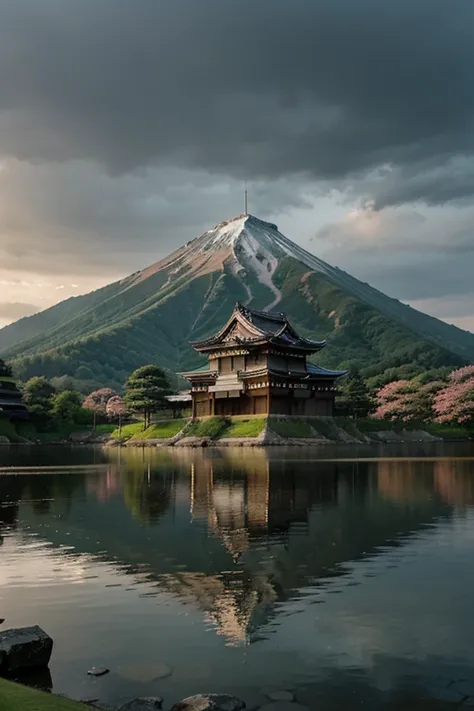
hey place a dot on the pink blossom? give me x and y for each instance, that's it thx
(97, 400)
(455, 402)
(116, 407)
(406, 401)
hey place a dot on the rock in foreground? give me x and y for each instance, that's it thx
(209, 702)
(24, 648)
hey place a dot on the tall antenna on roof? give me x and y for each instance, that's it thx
(246, 200)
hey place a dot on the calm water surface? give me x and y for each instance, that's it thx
(349, 580)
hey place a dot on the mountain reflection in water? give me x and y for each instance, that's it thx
(246, 539)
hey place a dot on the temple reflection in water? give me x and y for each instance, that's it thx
(237, 533)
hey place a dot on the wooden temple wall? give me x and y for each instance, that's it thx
(202, 404)
(294, 404)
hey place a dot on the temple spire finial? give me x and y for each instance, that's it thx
(246, 199)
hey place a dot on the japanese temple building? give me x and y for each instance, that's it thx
(12, 406)
(257, 365)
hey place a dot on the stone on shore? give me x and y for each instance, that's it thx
(209, 702)
(143, 703)
(24, 648)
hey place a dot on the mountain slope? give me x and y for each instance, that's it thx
(153, 314)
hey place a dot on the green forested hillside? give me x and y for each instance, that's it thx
(129, 324)
(358, 335)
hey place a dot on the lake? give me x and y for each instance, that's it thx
(345, 576)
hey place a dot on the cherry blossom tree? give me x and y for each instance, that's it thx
(407, 401)
(454, 403)
(97, 401)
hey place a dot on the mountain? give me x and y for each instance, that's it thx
(153, 314)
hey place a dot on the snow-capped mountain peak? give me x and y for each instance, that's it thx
(247, 245)
(250, 237)
(252, 245)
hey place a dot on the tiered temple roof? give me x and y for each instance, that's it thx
(248, 327)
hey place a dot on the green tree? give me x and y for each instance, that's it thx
(356, 398)
(38, 394)
(146, 390)
(66, 407)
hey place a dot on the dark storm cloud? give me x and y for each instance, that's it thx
(330, 88)
(70, 218)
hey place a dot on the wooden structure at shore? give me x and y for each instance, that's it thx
(258, 365)
(12, 406)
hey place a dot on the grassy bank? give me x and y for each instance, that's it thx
(226, 427)
(158, 430)
(245, 427)
(14, 697)
(242, 426)
(212, 427)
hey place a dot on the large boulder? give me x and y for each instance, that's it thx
(4, 440)
(24, 648)
(209, 702)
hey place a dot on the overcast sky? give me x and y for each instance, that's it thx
(128, 126)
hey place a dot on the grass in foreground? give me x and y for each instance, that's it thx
(245, 428)
(14, 697)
